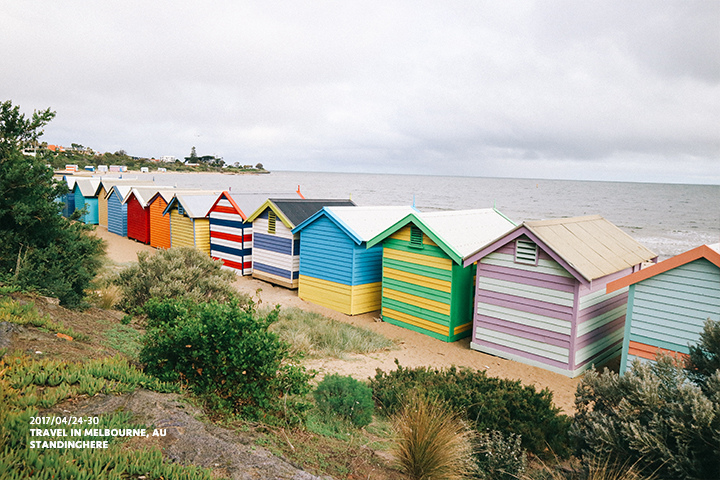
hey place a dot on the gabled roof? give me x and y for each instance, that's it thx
(588, 247)
(294, 211)
(88, 186)
(122, 191)
(708, 252)
(196, 206)
(167, 194)
(359, 223)
(108, 183)
(458, 233)
(145, 194)
(245, 204)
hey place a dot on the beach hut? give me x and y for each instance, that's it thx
(117, 209)
(668, 304)
(104, 189)
(159, 223)
(189, 225)
(138, 213)
(540, 293)
(336, 268)
(275, 249)
(85, 192)
(68, 199)
(231, 234)
(425, 286)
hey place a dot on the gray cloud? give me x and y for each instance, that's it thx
(596, 90)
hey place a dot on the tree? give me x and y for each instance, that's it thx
(259, 166)
(38, 247)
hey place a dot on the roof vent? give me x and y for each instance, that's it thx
(526, 252)
(272, 219)
(416, 237)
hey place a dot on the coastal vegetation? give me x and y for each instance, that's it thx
(39, 248)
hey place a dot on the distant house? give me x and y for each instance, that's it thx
(275, 249)
(425, 286)
(669, 303)
(336, 269)
(540, 293)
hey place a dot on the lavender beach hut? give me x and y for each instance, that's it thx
(540, 293)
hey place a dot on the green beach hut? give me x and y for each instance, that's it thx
(424, 284)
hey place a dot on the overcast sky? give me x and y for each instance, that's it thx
(573, 90)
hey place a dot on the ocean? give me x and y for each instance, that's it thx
(667, 218)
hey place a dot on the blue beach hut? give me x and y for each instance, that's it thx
(117, 209)
(668, 304)
(336, 269)
(85, 192)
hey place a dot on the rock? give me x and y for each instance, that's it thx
(7, 330)
(190, 441)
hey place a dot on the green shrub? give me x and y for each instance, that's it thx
(175, 273)
(432, 442)
(499, 457)
(488, 403)
(652, 417)
(704, 358)
(225, 353)
(346, 397)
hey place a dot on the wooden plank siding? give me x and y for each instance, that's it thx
(276, 255)
(328, 270)
(231, 239)
(159, 224)
(419, 286)
(90, 204)
(668, 310)
(524, 311)
(117, 214)
(138, 220)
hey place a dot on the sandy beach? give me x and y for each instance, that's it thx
(414, 349)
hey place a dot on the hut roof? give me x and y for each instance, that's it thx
(145, 194)
(591, 246)
(167, 194)
(294, 211)
(108, 183)
(359, 223)
(708, 252)
(247, 203)
(88, 186)
(196, 206)
(458, 233)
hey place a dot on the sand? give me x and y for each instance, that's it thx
(414, 349)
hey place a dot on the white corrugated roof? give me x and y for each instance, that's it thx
(144, 194)
(88, 186)
(366, 222)
(466, 231)
(592, 245)
(249, 202)
(196, 206)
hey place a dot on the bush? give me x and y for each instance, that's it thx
(345, 397)
(431, 441)
(39, 248)
(176, 273)
(499, 457)
(488, 403)
(651, 417)
(704, 358)
(226, 354)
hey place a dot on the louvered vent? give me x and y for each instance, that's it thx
(272, 218)
(416, 237)
(181, 210)
(526, 252)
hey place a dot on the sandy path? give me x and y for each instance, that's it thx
(414, 350)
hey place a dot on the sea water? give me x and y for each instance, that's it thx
(667, 218)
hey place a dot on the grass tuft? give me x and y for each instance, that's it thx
(432, 442)
(318, 336)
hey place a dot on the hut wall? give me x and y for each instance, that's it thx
(138, 220)
(201, 234)
(421, 288)
(91, 206)
(159, 224)
(68, 201)
(117, 215)
(328, 259)
(668, 311)
(181, 230)
(524, 312)
(275, 256)
(230, 238)
(102, 208)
